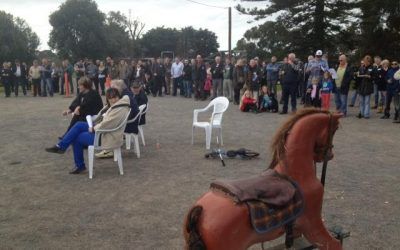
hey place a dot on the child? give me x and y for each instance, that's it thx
(267, 101)
(208, 83)
(248, 103)
(326, 89)
(313, 95)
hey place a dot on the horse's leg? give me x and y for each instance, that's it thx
(311, 222)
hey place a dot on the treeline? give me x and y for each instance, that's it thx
(80, 30)
(354, 27)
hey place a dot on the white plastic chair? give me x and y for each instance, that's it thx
(219, 105)
(141, 126)
(96, 146)
(135, 137)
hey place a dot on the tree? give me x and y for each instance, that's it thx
(125, 32)
(78, 30)
(301, 26)
(379, 28)
(186, 42)
(17, 40)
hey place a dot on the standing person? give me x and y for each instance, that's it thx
(290, 74)
(217, 77)
(326, 90)
(316, 68)
(392, 89)
(253, 78)
(112, 70)
(396, 98)
(366, 87)
(123, 71)
(199, 75)
(382, 84)
(158, 71)
(55, 77)
(238, 80)
(342, 84)
(375, 76)
(228, 80)
(34, 74)
(79, 69)
(272, 71)
(19, 73)
(187, 78)
(26, 76)
(167, 75)
(91, 72)
(69, 71)
(47, 85)
(6, 78)
(356, 84)
(306, 75)
(176, 74)
(102, 74)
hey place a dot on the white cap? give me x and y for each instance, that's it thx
(318, 53)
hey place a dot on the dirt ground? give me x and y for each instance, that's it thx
(43, 207)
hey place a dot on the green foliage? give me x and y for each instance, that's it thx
(78, 30)
(336, 26)
(17, 40)
(186, 42)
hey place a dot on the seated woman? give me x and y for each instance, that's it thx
(88, 102)
(267, 101)
(140, 98)
(248, 103)
(80, 135)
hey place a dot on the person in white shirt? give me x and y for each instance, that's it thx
(176, 74)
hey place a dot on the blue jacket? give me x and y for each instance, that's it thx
(393, 86)
(131, 127)
(272, 70)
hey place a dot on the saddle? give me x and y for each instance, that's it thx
(273, 200)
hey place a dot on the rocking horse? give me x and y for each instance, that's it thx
(221, 219)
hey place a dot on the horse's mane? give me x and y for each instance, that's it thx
(278, 143)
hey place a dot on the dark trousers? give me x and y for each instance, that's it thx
(101, 82)
(7, 87)
(177, 83)
(389, 97)
(157, 88)
(56, 86)
(236, 91)
(17, 82)
(289, 89)
(199, 89)
(36, 87)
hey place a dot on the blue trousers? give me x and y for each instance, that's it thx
(365, 105)
(341, 102)
(79, 137)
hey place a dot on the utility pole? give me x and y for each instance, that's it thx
(230, 32)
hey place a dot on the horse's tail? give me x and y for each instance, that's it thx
(193, 237)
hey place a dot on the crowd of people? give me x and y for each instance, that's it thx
(251, 84)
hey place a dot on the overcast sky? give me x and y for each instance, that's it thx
(170, 13)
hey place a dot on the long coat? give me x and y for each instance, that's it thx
(111, 119)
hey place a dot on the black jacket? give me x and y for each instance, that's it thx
(199, 72)
(290, 74)
(90, 103)
(217, 71)
(141, 99)
(347, 77)
(366, 86)
(187, 72)
(23, 70)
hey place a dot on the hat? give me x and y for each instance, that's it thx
(318, 53)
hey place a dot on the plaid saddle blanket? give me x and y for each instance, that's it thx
(273, 200)
(266, 217)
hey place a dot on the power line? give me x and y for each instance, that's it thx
(208, 5)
